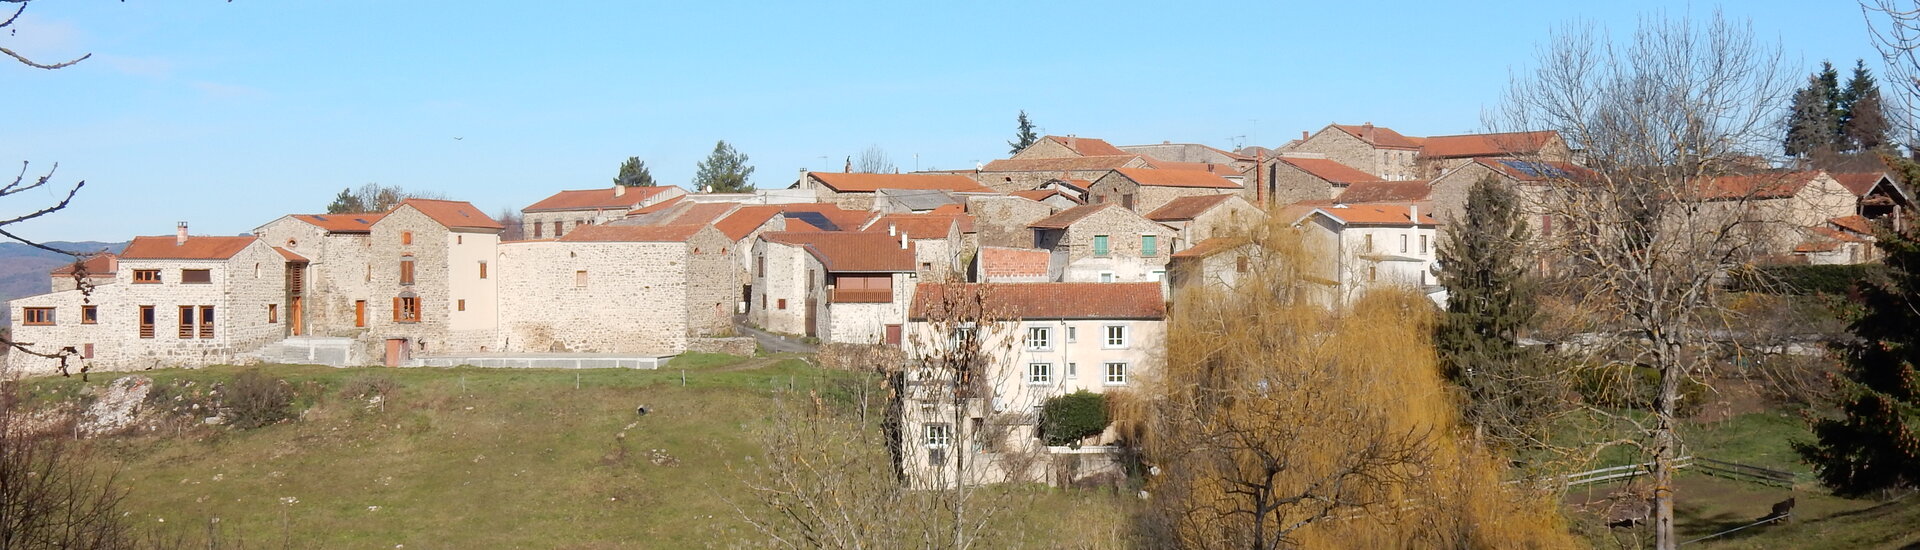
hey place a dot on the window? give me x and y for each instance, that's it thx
(273, 313)
(206, 321)
(186, 322)
(406, 237)
(1040, 373)
(1149, 245)
(460, 305)
(89, 315)
(406, 270)
(1403, 244)
(1546, 225)
(459, 239)
(1073, 370)
(37, 315)
(86, 351)
(536, 229)
(406, 309)
(1072, 335)
(1369, 243)
(146, 321)
(783, 303)
(1099, 245)
(1240, 264)
(196, 276)
(760, 266)
(939, 435)
(359, 313)
(1116, 337)
(580, 279)
(556, 230)
(1116, 374)
(1158, 275)
(146, 276)
(483, 270)
(871, 289)
(369, 273)
(1106, 276)
(1039, 338)
(1373, 273)
(1423, 245)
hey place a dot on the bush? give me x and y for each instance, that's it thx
(1635, 387)
(1067, 419)
(368, 386)
(1805, 279)
(255, 399)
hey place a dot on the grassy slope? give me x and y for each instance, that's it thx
(516, 459)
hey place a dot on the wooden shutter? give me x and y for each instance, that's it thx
(396, 310)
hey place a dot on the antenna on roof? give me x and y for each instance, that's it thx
(1238, 141)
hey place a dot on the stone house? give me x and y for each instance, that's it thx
(1217, 262)
(1189, 153)
(1055, 147)
(1439, 154)
(840, 287)
(997, 264)
(428, 282)
(174, 301)
(1777, 207)
(1527, 178)
(553, 216)
(1375, 150)
(857, 191)
(1203, 217)
(1373, 245)
(1291, 179)
(97, 269)
(1882, 200)
(616, 289)
(1037, 341)
(1059, 197)
(1145, 189)
(745, 224)
(1022, 174)
(1002, 220)
(1841, 241)
(940, 242)
(332, 300)
(1104, 243)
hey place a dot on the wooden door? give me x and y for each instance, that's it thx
(294, 317)
(359, 313)
(396, 351)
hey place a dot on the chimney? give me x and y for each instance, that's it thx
(180, 235)
(1303, 135)
(849, 168)
(1073, 142)
(1413, 213)
(619, 190)
(1366, 131)
(891, 231)
(903, 241)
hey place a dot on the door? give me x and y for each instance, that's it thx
(359, 313)
(396, 351)
(293, 316)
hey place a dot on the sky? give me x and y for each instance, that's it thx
(229, 115)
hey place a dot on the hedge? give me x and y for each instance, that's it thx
(1805, 279)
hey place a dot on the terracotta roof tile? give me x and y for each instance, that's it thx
(1038, 195)
(596, 199)
(1384, 191)
(97, 265)
(1328, 169)
(1767, 185)
(196, 248)
(632, 233)
(1018, 301)
(1536, 171)
(1860, 183)
(1176, 178)
(1486, 145)
(921, 226)
(868, 183)
(290, 256)
(1088, 147)
(1224, 170)
(656, 207)
(1375, 214)
(949, 209)
(1210, 247)
(996, 261)
(341, 223)
(453, 214)
(1380, 136)
(847, 252)
(1187, 208)
(1068, 217)
(1856, 224)
(1075, 164)
(702, 213)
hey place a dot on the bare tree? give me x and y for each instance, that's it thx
(515, 226)
(1664, 122)
(50, 497)
(24, 60)
(1894, 27)
(874, 160)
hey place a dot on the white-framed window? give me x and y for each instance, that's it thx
(1106, 276)
(1403, 244)
(1073, 371)
(1116, 374)
(1040, 373)
(1072, 335)
(1423, 245)
(938, 435)
(1039, 338)
(1116, 337)
(1157, 276)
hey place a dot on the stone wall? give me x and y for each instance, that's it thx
(1233, 217)
(1002, 221)
(1291, 184)
(632, 299)
(785, 278)
(865, 323)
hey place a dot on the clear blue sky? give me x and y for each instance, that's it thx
(228, 115)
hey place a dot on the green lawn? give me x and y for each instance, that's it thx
(488, 458)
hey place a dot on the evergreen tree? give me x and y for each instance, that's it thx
(724, 171)
(1863, 120)
(1489, 301)
(346, 203)
(634, 173)
(1025, 137)
(1875, 444)
(1812, 125)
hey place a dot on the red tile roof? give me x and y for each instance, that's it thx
(196, 248)
(341, 223)
(1210, 247)
(702, 213)
(1486, 145)
(1187, 208)
(1176, 178)
(453, 214)
(1384, 191)
(1068, 217)
(1026, 301)
(1073, 164)
(632, 233)
(951, 209)
(596, 199)
(1856, 224)
(747, 218)
(996, 261)
(1860, 183)
(845, 252)
(868, 183)
(290, 256)
(1221, 169)
(1375, 214)
(1379, 136)
(1088, 147)
(1329, 169)
(1038, 195)
(656, 207)
(1536, 171)
(921, 226)
(97, 265)
(1768, 185)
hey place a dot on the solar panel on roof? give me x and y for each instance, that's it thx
(319, 217)
(815, 219)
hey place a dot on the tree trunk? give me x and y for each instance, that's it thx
(1665, 446)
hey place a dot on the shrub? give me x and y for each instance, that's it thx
(255, 399)
(368, 386)
(1805, 279)
(1067, 419)
(1626, 386)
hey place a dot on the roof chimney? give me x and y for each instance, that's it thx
(891, 231)
(1073, 142)
(1413, 213)
(180, 235)
(1303, 135)
(619, 190)
(849, 168)
(1366, 131)
(903, 241)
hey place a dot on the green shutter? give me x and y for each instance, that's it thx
(1099, 245)
(1149, 245)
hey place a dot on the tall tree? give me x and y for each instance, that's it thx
(724, 171)
(346, 203)
(874, 160)
(1490, 300)
(1875, 444)
(1812, 124)
(1863, 124)
(374, 197)
(634, 173)
(1025, 136)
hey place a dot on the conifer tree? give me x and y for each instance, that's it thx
(346, 203)
(1863, 121)
(1489, 301)
(724, 171)
(1875, 444)
(1812, 124)
(1025, 137)
(634, 173)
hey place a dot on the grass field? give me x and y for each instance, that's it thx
(473, 458)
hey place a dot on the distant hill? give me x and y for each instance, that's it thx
(23, 269)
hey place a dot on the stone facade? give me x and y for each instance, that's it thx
(796, 294)
(1389, 163)
(1232, 217)
(1364, 256)
(1073, 248)
(614, 296)
(445, 274)
(1002, 221)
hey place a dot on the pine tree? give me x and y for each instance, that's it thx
(1025, 137)
(1875, 445)
(1863, 120)
(1489, 301)
(634, 173)
(724, 171)
(346, 203)
(1812, 125)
